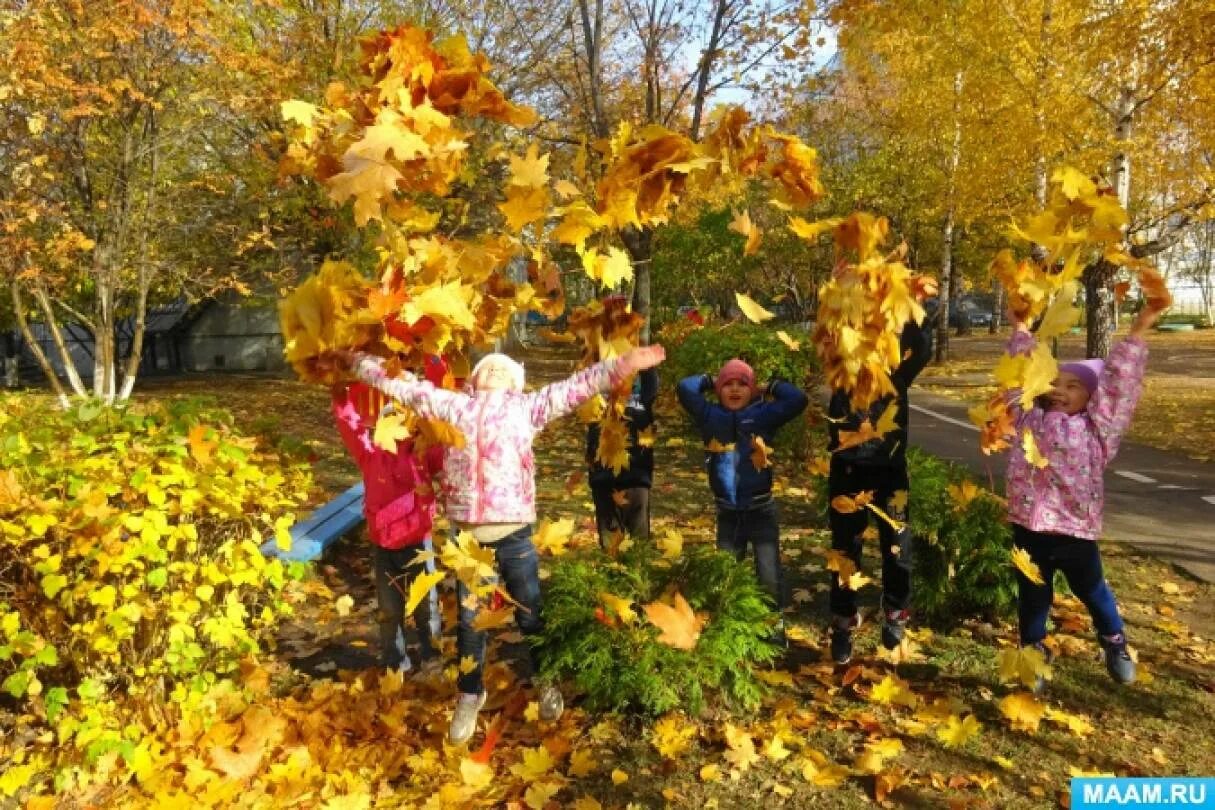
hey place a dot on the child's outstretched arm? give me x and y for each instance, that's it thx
(1113, 403)
(420, 396)
(560, 398)
(691, 392)
(916, 344)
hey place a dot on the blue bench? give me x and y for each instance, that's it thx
(311, 536)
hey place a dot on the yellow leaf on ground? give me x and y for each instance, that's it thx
(893, 691)
(672, 735)
(1023, 711)
(740, 748)
(536, 763)
(958, 731)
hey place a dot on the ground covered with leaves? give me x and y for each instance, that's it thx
(316, 724)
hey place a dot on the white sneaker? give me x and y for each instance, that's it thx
(405, 666)
(464, 718)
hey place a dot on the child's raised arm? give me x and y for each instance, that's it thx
(691, 393)
(787, 402)
(916, 344)
(1112, 405)
(420, 396)
(560, 398)
(351, 426)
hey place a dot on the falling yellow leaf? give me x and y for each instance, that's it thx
(714, 446)
(753, 311)
(679, 625)
(742, 224)
(1025, 564)
(619, 777)
(793, 345)
(1032, 454)
(888, 421)
(761, 453)
(621, 607)
(420, 588)
(343, 605)
(531, 170)
(962, 494)
(389, 430)
(554, 536)
(847, 504)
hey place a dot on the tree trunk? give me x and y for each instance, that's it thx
(640, 245)
(947, 283)
(39, 355)
(65, 355)
(141, 319)
(1098, 304)
(997, 307)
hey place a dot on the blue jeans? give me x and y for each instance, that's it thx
(394, 571)
(847, 531)
(1080, 562)
(759, 527)
(519, 567)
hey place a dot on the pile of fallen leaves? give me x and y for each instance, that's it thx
(1082, 223)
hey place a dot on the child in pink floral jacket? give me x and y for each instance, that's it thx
(1056, 510)
(490, 487)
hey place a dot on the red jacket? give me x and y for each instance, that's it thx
(398, 500)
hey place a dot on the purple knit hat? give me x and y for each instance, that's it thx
(1088, 371)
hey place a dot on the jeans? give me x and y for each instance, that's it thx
(519, 567)
(393, 573)
(759, 527)
(633, 518)
(1080, 562)
(847, 531)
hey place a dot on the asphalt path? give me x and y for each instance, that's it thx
(1158, 502)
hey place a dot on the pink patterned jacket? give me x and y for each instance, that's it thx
(492, 478)
(1068, 496)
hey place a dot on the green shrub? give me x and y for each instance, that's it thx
(961, 555)
(624, 667)
(129, 542)
(706, 350)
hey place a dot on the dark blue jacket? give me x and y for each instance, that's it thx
(639, 413)
(736, 483)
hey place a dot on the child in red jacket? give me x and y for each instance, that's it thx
(399, 504)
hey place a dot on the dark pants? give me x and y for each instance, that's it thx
(759, 527)
(1080, 562)
(847, 531)
(393, 573)
(519, 568)
(633, 518)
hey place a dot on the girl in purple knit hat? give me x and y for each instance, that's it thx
(1056, 510)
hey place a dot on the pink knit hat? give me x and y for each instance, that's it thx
(1088, 371)
(734, 369)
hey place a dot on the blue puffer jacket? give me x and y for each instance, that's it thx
(736, 483)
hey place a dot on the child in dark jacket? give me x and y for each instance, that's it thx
(878, 466)
(399, 503)
(634, 481)
(746, 512)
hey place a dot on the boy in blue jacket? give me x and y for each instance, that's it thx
(746, 512)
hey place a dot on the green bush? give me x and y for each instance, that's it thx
(706, 350)
(624, 667)
(961, 554)
(129, 542)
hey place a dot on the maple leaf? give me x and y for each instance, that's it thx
(523, 206)
(893, 691)
(672, 735)
(714, 446)
(742, 224)
(670, 544)
(840, 563)
(301, 112)
(1155, 289)
(740, 748)
(201, 447)
(369, 183)
(1023, 711)
(898, 501)
(420, 588)
(645, 438)
(539, 794)
(753, 311)
(1026, 565)
(847, 504)
(623, 608)
(613, 269)
(476, 775)
(958, 731)
(888, 421)
(567, 189)
(554, 537)
(1061, 315)
(761, 453)
(812, 230)
(962, 493)
(492, 619)
(531, 170)
(790, 343)
(389, 430)
(583, 763)
(535, 764)
(819, 771)
(1024, 664)
(679, 625)
(873, 759)
(1074, 723)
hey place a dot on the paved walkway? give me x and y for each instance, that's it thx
(1158, 502)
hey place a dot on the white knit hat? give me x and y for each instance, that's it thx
(501, 362)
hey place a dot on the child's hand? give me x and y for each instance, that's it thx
(1146, 320)
(643, 357)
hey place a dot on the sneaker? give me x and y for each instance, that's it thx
(464, 718)
(405, 666)
(1117, 659)
(894, 628)
(552, 705)
(778, 637)
(841, 638)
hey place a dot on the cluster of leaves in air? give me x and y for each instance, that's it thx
(1082, 223)
(657, 627)
(130, 542)
(864, 306)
